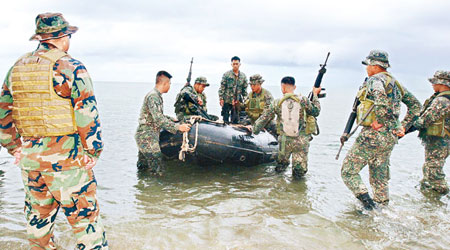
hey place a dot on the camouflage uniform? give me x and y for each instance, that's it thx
(373, 147)
(257, 102)
(298, 146)
(183, 108)
(53, 170)
(151, 121)
(232, 87)
(437, 147)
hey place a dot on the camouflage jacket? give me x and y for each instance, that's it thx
(183, 108)
(387, 101)
(228, 85)
(311, 108)
(152, 119)
(437, 108)
(57, 153)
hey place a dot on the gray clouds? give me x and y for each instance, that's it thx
(131, 40)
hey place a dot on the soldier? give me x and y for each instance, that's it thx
(233, 89)
(151, 121)
(291, 111)
(258, 100)
(380, 97)
(185, 108)
(49, 122)
(434, 126)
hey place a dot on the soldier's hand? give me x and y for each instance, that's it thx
(376, 126)
(221, 103)
(200, 102)
(344, 138)
(184, 127)
(17, 155)
(316, 91)
(249, 128)
(89, 162)
(399, 132)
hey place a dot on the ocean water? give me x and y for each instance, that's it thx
(231, 207)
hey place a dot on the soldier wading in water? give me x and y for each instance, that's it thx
(380, 97)
(151, 121)
(291, 111)
(49, 122)
(434, 127)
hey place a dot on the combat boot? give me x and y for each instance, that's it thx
(280, 167)
(366, 201)
(298, 173)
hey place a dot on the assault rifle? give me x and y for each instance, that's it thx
(236, 107)
(203, 113)
(188, 79)
(188, 98)
(319, 77)
(349, 125)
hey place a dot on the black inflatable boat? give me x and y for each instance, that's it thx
(221, 143)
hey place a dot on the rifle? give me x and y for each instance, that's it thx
(188, 79)
(188, 98)
(319, 77)
(349, 125)
(236, 108)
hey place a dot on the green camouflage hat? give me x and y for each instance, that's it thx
(256, 79)
(202, 80)
(51, 26)
(441, 77)
(377, 57)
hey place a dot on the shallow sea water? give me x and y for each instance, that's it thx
(231, 207)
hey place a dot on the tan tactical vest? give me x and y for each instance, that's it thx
(366, 103)
(255, 105)
(37, 110)
(438, 127)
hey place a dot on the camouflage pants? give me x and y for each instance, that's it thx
(436, 152)
(75, 192)
(150, 161)
(374, 149)
(298, 147)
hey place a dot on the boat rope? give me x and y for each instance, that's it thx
(185, 147)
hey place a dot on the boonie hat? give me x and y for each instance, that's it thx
(377, 57)
(441, 77)
(202, 80)
(256, 79)
(51, 26)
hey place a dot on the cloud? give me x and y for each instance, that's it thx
(132, 40)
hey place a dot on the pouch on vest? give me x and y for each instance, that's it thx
(255, 105)
(363, 108)
(290, 116)
(311, 125)
(438, 127)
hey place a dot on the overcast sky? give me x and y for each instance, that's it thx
(131, 40)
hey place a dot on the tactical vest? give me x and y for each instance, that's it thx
(438, 127)
(37, 110)
(289, 121)
(366, 104)
(255, 105)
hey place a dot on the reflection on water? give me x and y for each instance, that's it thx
(229, 207)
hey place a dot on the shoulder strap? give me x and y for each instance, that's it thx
(389, 79)
(445, 94)
(289, 96)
